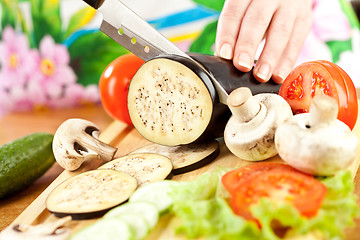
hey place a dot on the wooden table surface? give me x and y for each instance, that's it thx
(17, 125)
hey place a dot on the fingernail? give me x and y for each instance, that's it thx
(281, 75)
(263, 72)
(244, 60)
(226, 51)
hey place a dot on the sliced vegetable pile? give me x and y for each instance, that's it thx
(93, 193)
(299, 205)
(208, 212)
(185, 158)
(259, 201)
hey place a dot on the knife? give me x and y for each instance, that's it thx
(136, 35)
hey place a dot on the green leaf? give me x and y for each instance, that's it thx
(80, 19)
(337, 47)
(12, 16)
(205, 42)
(8, 13)
(46, 20)
(212, 4)
(350, 13)
(91, 53)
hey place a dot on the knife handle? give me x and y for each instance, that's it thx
(94, 3)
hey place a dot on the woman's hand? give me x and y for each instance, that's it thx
(243, 24)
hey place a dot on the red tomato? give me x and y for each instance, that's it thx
(114, 83)
(303, 191)
(233, 179)
(325, 78)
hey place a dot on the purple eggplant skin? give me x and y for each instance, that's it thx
(203, 162)
(85, 215)
(231, 78)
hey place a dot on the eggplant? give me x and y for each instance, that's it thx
(144, 167)
(185, 158)
(91, 194)
(172, 100)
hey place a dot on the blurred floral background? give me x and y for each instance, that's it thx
(52, 53)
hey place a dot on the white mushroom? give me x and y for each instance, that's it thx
(46, 231)
(249, 133)
(316, 142)
(76, 141)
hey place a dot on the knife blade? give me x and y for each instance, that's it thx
(136, 35)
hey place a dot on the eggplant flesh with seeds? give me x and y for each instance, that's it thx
(185, 158)
(91, 194)
(144, 167)
(172, 100)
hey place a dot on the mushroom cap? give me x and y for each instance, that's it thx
(76, 140)
(254, 140)
(318, 150)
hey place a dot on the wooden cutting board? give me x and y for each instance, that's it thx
(127, 139)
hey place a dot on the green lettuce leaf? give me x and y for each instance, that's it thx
(204, 211)
(214, 219)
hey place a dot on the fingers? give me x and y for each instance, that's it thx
(278, 36)
(244, 23)
(288, 58)
(252, 30)
(228, 27)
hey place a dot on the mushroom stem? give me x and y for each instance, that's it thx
(95, 147)
(46, 231)
(242, 105)
(323, 110)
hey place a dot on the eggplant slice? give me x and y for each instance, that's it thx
(185, 158)
(171, 105)
(144, 167)
(91, 194)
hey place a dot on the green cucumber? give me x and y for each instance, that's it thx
(146, 209)
(105, 229)
(137, 223)
(157, 193)
(24, 160)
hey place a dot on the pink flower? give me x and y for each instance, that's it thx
(329, 21)
(329, 24)
(92, 94)
(52, 71)
(14, 58)
(72, 95)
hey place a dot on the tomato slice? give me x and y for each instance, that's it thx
(303, 191)
(321, 78)
(234, 178)
(348, 107)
